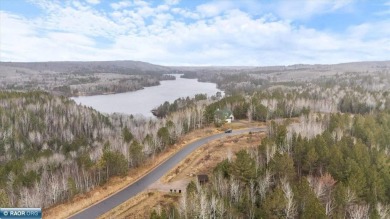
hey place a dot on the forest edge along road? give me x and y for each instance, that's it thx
(141, 184)
(138, 186)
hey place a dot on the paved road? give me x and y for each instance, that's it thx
(132, 190)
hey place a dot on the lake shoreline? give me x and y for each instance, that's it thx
(119, 92)
(143, 101)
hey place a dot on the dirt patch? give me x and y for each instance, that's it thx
(177, 186)
(142, 205)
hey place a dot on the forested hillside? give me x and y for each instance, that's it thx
(235, 80)
(326, 154)
(51, 148)
(81, 78)
(342, 172)
(123, 67)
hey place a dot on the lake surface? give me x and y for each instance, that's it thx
(143, 101)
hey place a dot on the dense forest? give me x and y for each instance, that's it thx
(230, 83)
(181, 103)
(343, 171)
(326, 154)
(51, 148)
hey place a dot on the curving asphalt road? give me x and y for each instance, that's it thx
(133, 189)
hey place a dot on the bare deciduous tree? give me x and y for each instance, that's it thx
(383, 210)
(290, 209)
(264, 184)
(356, 211)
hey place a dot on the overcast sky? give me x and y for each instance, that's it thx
(195, 32)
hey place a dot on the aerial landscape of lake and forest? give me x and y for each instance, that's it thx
(186, 109)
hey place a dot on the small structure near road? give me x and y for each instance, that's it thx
(203, 179)
(225, 115)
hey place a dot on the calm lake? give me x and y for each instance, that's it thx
(143, 101)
